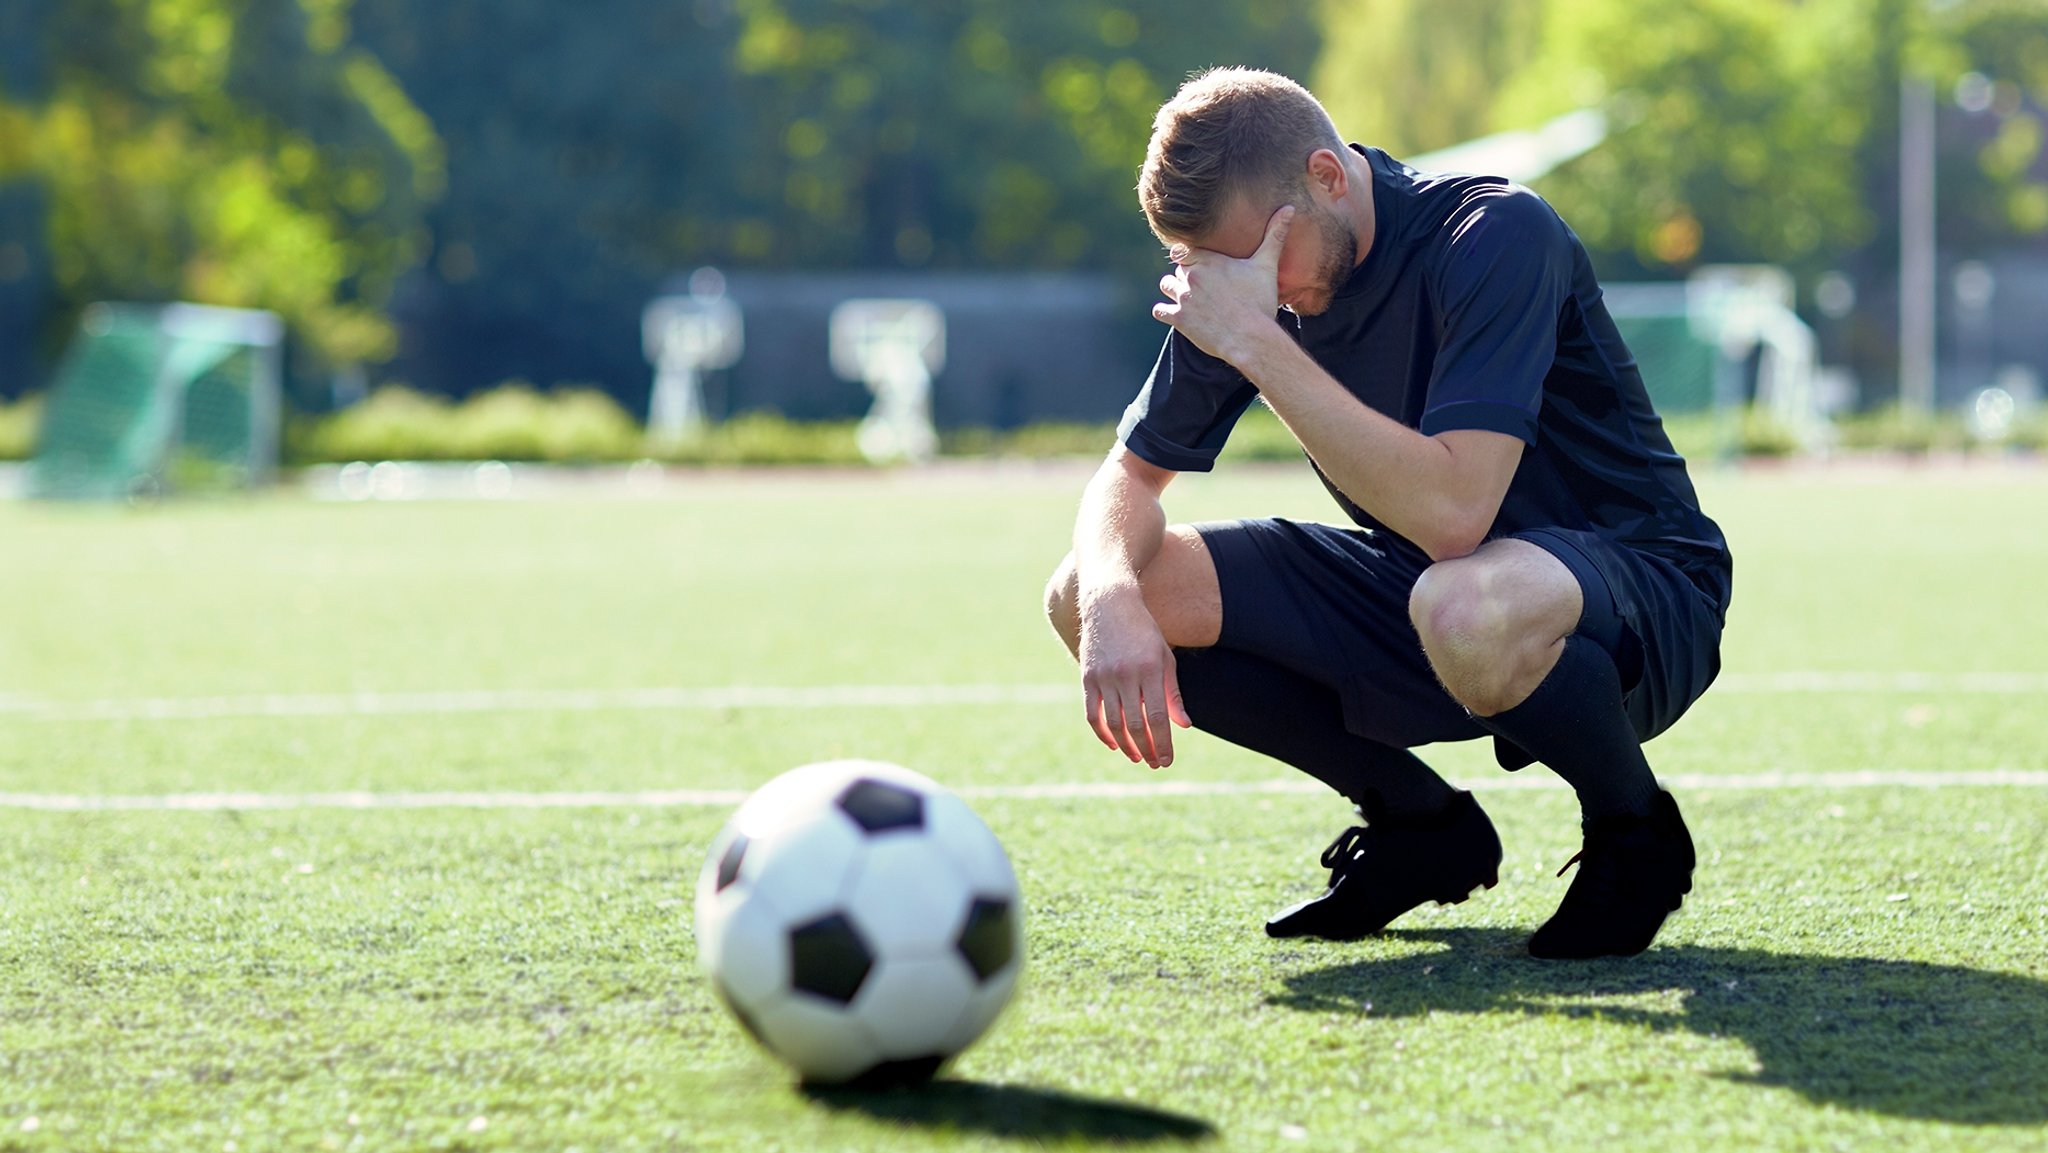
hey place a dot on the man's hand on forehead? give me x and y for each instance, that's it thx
(1217, 300)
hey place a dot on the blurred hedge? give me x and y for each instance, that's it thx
(511, 422)
(516, 422)
(18, 427)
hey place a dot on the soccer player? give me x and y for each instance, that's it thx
(1527, 560)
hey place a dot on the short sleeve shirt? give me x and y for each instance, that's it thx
(1475, 308)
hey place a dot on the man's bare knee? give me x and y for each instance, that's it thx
(1061, 593)
(1490, 624)
(1451, 610)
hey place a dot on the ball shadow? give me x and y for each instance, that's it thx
(1014, 1111)
(1905, 1038)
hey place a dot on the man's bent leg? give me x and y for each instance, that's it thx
(1312, 615)
(1180, 593)
(1557, 694)
(1499, 627)
(1259, 705)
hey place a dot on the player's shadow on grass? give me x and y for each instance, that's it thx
(1906, 1038)
(1016, 1111)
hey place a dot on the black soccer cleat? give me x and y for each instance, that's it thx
(1633, 872)
(1382, 869)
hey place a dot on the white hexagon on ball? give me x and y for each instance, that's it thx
(861, 921)
(909, 893)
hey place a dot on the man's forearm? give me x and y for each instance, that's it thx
(1414, 484)
(1119, 530)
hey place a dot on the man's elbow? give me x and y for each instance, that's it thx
(1453, 535)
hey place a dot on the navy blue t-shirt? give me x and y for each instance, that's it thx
(1476, 307)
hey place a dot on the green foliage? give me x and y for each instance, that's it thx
(1259, 435)
(1895, 428)
(512, 423)
(1764, 435)
(758, 438)
(18, 424)
(936, 133)
(573, 425)
(1737, 125)
(231, 152)
(1414, 75)
(2030, 431)
(594, 151)
(1742, 130)
(1701, 437)
(1041, 440)
(1707, 437)
(1999, 188)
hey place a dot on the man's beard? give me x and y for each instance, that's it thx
(1340, 258)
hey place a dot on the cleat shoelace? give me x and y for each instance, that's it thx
(1343, 850)
(1599, 876)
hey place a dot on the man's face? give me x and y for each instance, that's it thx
(1319, 255)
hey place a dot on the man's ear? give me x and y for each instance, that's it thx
(1327, 174)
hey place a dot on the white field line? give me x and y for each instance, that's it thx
(1071, 790)
(828, 697)
(531, 701)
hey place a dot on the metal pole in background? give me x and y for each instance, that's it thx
(1916, 244)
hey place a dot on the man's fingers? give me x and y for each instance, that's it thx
(1160, 732)
(1176, 709)
(1120, 717)
(1171, 286)
(1276, 236)
(1091, 704)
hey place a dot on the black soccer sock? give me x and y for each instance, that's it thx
(1250, 701)
(1574, 722)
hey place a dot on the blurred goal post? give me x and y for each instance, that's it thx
(1694, 342)
(152, 398)
(684, 336)
(894, 347)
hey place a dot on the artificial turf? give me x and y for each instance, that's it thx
(1860, 966)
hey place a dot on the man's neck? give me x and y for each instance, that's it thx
(1363, 216)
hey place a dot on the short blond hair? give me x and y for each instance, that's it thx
(1228, 132)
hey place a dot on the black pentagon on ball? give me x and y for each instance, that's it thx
(879, 806)
(989, 939)
(828, 959)
(729, 864)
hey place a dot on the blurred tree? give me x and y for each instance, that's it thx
(1993, 69)
(986, 133)
(1414, 75)
(1737, 125)
(591, 151)
(1742, 130)
(232, 152)
(597, 150)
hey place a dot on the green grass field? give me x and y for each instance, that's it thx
(338, 960)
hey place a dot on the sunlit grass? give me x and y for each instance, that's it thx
(1857, 968)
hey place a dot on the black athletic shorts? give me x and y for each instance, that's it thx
(1331, 603)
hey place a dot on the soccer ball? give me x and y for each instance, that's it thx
(860, 921)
